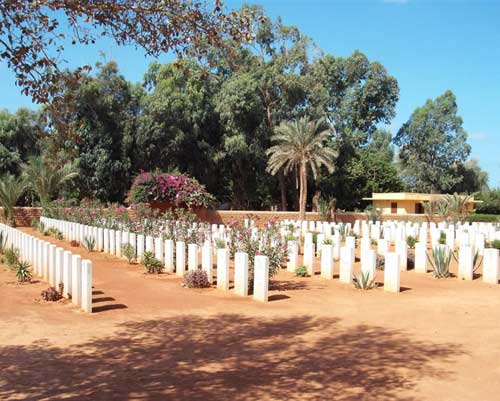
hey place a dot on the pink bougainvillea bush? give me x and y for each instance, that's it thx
(163, 187)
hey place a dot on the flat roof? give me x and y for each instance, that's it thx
(410, 196)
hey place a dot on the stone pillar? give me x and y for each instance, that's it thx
(159, 249)
(52, 265)
(180, 258)
(87, 286)
(490, 266)
(132, 240)
(369, 263)
(336, 247)
(149, 243)
(207, 261)
(192, 257)
(223, 269)
(106, 240)
(118, 243)
(327, 262)
(309, 258)
(261, 278)
(382, 246)
(100, 239)
(76, 280)
(350, 242)
(392, 272)
(241, 274)
(421, 257)
(112, 242)
(169, 255)
(66, 279)
(346, 264)
(465, 263)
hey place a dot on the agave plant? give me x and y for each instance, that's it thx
(23, 272)
(363, 281)
(440, 261)
(89, 244)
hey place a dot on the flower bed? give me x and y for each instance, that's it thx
(179, 189)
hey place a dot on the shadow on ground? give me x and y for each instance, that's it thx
(227, 357)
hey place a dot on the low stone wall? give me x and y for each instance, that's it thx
(24, 215)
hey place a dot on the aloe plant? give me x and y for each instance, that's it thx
(23, 272)
(440, 261)
(89, 244)
(363, 281)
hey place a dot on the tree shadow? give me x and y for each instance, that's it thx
(228, 357)
(287, 285)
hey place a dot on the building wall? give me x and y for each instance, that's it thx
(404, 206)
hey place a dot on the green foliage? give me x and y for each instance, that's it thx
(220, 244)
(11, 189)
(327, 242)
(301, 271)
(373, 214)
(493, 244)
(11, 256)
(89, 244)
(151, 264)
(373, 242)
(440, 261)
(326, 206)
(411, 241)
(380, 264)
(490, 202)
(431, 143)
(196, 279)
(129, 252)
(442, 238)
(23, 273)
(363, 281)
(487, 218)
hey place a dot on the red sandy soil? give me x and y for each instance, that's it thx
(151, 339)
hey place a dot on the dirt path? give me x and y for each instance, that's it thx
(151, 339)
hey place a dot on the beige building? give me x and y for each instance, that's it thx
(405, 202)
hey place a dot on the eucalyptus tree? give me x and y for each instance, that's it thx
(299, 145)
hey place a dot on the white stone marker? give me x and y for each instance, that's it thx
(369, 263)
(87, 286)
(158, 242)
(66, 278)
(40, 258)
(327, 261)
(180, 258)
(52, 265)
(309, 257)
(118, 241)
(46, 261)
(241, 274)
(392, 272)
(402, 251)
(112, 242)
(223, 269)
(106, 240)
(207, 262)
(421, 257)
(382, 246)
(336, 247)
(100, 239)
(490, 266)
(346, 264)
(465, 263)
(261, 278)
(169, 255)
(350, 242)
(293, 256)
(192, 257)
(140, 246)
(149, 243)
(76, 280)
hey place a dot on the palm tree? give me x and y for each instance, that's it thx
(457, 206)
(11, 189)
(297, 145)
(45, 178)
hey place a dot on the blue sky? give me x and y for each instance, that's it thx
(429, 46)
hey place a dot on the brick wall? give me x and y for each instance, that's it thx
(24, 215)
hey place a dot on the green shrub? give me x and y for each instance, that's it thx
(363, 281)
(220, 244)
(129, 252)
(196, 279)
(290, 237)
(327, 242)
(411, 241)
(494, 244)
(151, 264)
(442, 238)
(3, 242)
(34, 224)
(301, 271)
(12, 257)
(486, 218)
(23, 272)
(440, 261)
(89, 243)
(374, 242)
(380, 262)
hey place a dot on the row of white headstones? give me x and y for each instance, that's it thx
(470, 239)
(54, 265)
(173, 255)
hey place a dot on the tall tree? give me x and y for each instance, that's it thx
(472, 178)
(431, 143)
(298, 145)
(11, 189)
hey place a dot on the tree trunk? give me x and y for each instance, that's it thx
(303, 192)
(281, 177)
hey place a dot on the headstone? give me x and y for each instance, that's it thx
(261, 278)
(346, 264)
(327, 262)
(392, 272)
(241, 273)
(490, 266)
(223, 269)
